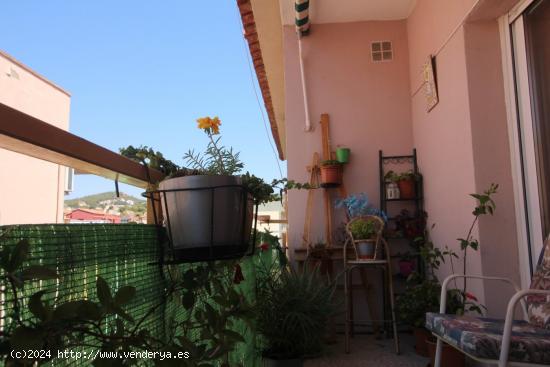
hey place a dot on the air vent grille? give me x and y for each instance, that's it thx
(381, 51)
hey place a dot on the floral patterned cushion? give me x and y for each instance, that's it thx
(482, 337)
(538, 306)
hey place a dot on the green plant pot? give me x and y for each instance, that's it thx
(342, 155)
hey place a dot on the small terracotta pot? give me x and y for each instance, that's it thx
(450, 357)
(406, 188)
(331, 175)
(421, 336)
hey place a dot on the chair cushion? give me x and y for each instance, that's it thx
(482, 337)
(538, 306)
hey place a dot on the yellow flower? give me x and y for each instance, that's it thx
(209, 124)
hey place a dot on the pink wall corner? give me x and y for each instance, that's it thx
(368, 104)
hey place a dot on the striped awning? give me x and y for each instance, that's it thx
(302, 17)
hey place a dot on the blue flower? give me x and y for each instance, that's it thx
(359, 205)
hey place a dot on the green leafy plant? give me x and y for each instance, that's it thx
(43, 322)
(416, 300)
(392, 176)
(152, 158)
(411, 226)
(363, 229)
(216, 160)
(292, 312)
(419, 297)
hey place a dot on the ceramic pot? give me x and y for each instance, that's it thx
(331, 175)
(450, 357)
(207, 217)
(421, 336)
(365, 249)
(406, 188)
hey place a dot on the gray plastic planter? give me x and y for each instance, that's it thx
(210, 217)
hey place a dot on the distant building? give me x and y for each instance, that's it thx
(269, 212)
(31, 190)
(90, 216)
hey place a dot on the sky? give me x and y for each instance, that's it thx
(142, 72)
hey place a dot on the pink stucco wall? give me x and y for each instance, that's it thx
(463, 142)
(31, 190)
(368, 104)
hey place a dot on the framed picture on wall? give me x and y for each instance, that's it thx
(430, 83)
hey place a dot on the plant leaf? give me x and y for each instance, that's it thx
(104, 293)
(36, 306)
(125, 295)
(38, 272)
(18, 255)
(89, 310)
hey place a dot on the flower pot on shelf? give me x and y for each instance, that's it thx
(342, 155)
(365, 249)
(406, 267)
(450, 357)
(207, 217)
(331, 175)
(407, 188)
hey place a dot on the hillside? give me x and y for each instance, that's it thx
(108, 200)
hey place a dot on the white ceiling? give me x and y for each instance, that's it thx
(342, 11)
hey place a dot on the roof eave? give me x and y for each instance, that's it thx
(251, 35)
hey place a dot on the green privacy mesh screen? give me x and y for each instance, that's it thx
(123, 254)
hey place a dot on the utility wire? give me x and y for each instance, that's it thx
(252, 81)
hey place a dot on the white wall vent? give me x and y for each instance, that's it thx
(381, 51)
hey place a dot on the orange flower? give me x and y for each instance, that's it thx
(210, 125)
(215, 123)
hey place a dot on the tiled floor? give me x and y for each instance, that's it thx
(367, 351)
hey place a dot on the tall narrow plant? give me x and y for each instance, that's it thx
(485, 205)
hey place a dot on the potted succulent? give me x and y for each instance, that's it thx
(208, 207)
(342, 154)
(364, 235)
(331, 173)
(292, 312)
